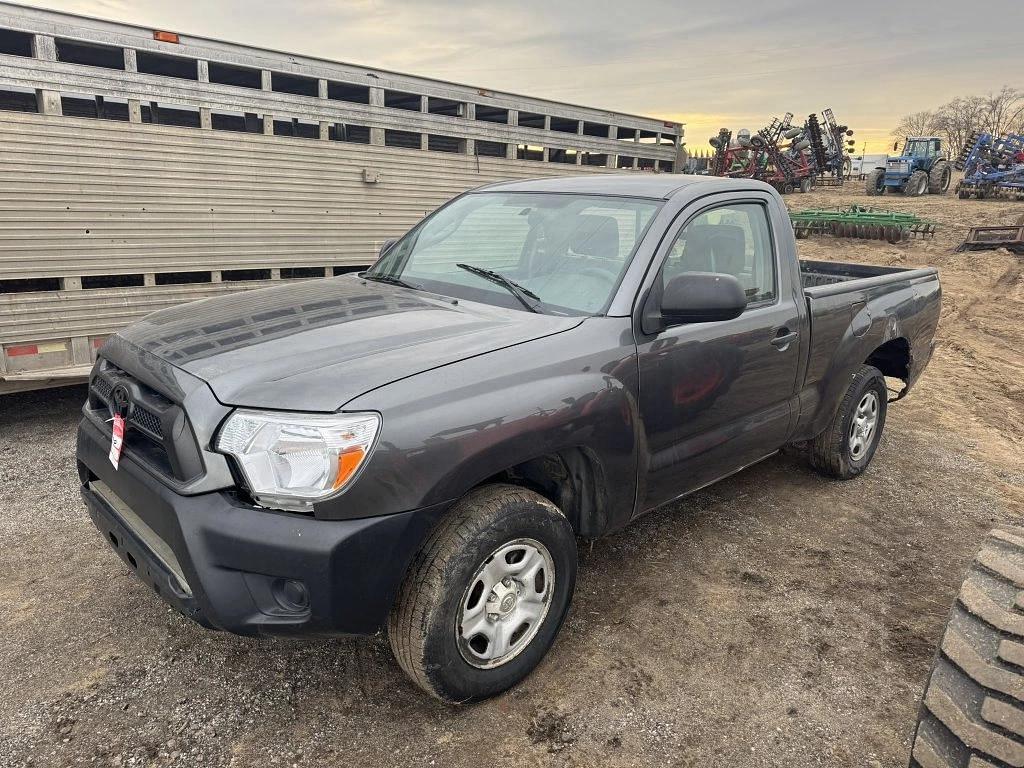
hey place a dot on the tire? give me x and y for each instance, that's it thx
(805, 184)
(833, 452)
(939, 179)
(451, 572)
(875, 184)
(787, 188)
(917, 184)
(970, 713)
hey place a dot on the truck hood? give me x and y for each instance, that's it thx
(315, 345)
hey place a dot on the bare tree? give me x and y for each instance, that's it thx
(915, 124)
(958, 120)
(1004, 110)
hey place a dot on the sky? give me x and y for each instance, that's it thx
(708, 65)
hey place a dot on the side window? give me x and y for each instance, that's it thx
(732, 240)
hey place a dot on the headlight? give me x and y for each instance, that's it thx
(290, 460)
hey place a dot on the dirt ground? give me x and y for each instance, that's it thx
(776, 619)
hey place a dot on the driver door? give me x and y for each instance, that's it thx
(717, 396)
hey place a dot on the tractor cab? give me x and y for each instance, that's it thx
(921, 149)
(922, 167)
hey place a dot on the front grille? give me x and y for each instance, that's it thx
(149, 421)
(153, 420)
(141, 416)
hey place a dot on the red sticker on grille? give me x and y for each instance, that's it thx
(117, 440)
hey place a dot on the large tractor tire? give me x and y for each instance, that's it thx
(939, 179)
(971, 715)
(875, 185)
(917, 184)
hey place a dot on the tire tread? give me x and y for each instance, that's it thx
(972, 713)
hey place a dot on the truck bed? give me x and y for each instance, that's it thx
(827, 278)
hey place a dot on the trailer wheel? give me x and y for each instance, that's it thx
(848, 443)
(486, 596)
(875, 184)
(917, 184)
(805, 184)
(969, 713)
(787, 188)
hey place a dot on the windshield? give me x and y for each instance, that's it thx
(551, 252)
(917, 148)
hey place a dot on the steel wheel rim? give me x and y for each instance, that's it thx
(863, 424)
(505, 604)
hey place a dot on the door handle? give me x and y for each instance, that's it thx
(784, 338)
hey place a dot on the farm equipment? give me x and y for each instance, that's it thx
(993, 166)
(923, 167)
(991, 238)
(861, 222)
(787, 156)
(830, 148)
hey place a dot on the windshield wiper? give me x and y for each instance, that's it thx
(521, 293)
(390, 280)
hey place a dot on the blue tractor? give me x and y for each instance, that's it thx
(923, 167)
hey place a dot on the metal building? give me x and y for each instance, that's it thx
(140, 168)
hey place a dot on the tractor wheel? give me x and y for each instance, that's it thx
(939, 178)
(969, 715)
(876, 183)
(917, 184)
(805, 184)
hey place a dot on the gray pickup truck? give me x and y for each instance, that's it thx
(416, 448)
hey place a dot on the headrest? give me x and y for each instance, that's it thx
(596, 236)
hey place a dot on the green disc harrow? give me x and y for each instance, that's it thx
(861, 222)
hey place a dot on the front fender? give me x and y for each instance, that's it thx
(447, 430)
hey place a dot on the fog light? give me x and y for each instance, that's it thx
(291, 595)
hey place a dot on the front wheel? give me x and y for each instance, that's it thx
(875, 184)
(917, 184)
(486, 596)
(940, 178)
(847, 445)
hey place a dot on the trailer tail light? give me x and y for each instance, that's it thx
(20, 350)
(166, 37)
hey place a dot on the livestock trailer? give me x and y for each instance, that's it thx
(142, 168)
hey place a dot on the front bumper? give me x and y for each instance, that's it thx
(232, 566)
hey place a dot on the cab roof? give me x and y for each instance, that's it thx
(652, 185)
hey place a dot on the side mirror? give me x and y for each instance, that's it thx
(702, 297)
(387, 246)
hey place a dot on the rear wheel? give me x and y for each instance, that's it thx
(970, 714)
(875, 184)
(847, 445)
(939, 179)
(486, 596)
